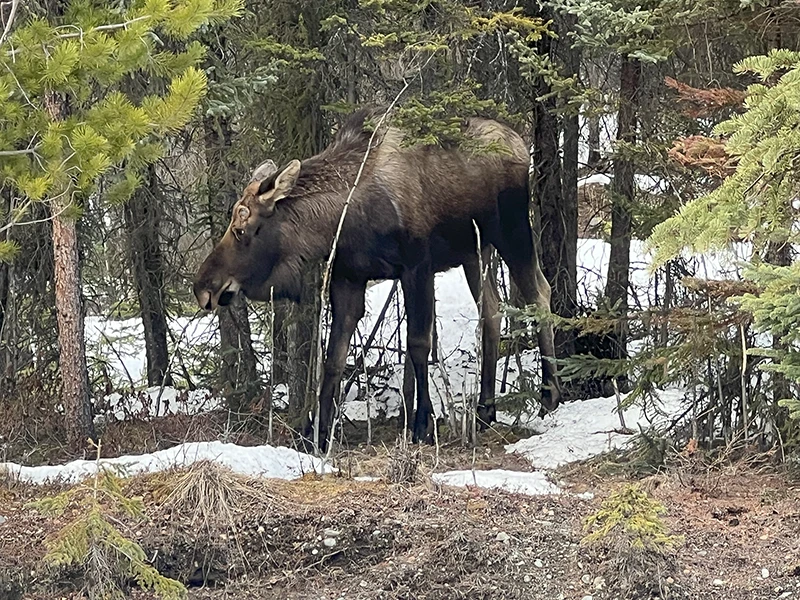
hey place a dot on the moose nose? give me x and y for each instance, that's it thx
(204, 299)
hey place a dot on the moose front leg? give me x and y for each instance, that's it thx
(347, 308)
(419, 297)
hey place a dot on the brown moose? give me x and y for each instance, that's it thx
(411, 215)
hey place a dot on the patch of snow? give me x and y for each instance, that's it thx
(581, 430)
(518, 482)
(262, 461)
(601, 178)
(155, 402)
(280, 396)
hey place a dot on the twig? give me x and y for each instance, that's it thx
(118, 355)
(66, 206)
(478, 336)
(744, 383)
(451, 409)
(366, 392)
(172, 360)
(361, 361)
(272, 360)
(10, 22)
(620, 411)
(18, 152)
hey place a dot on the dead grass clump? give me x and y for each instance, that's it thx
(212, 496)
(403, 465)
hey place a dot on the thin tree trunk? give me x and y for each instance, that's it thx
(301, 347)
(555, 210)
(623, 196)
(238, 372)
(6, 347)
(69, 310)
(568, 294)
(142, 222)
(593, 160)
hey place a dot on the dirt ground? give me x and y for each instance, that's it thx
(229, 537)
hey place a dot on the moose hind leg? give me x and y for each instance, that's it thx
(490, 332)
(515, 245)
(418, 292)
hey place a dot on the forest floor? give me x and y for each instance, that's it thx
(232, 537)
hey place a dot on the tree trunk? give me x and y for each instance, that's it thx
(72, 356)
(238, 373)
(595, 76)
(6, 347)
(568, 294)
(142, 215)
(71, 343)
(557, 211)
(301, 353)
(622, 197)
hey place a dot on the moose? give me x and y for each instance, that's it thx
(413, 213)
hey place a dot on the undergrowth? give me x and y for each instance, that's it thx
(94, 545)
(633, 543)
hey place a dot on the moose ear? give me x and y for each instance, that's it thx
(283, 183)
(263, 171)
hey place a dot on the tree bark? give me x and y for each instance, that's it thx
(6, 347)
(622, 197)
(238, 373)
(301, 347)
(142, 216)
(568, 294)
(69, 309)
(557, 208)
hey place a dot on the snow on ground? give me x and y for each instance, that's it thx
(518, 482)
(581, 430)
(261, 461)
(576, 431)
(160, 402)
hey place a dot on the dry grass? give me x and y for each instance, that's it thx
(403, 465)
(212, 496)
(248, 538)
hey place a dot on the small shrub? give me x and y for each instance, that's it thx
(634, 543)
(93, 544)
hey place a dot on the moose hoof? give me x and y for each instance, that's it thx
(423, 433)
(486, 416)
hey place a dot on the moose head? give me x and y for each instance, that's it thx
(247, 257)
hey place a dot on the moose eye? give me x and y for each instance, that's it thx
(238, 233)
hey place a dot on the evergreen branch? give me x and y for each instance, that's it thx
(66, 207)
(81, 33)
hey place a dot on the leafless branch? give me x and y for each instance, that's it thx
(18, 152)
(12, 13)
